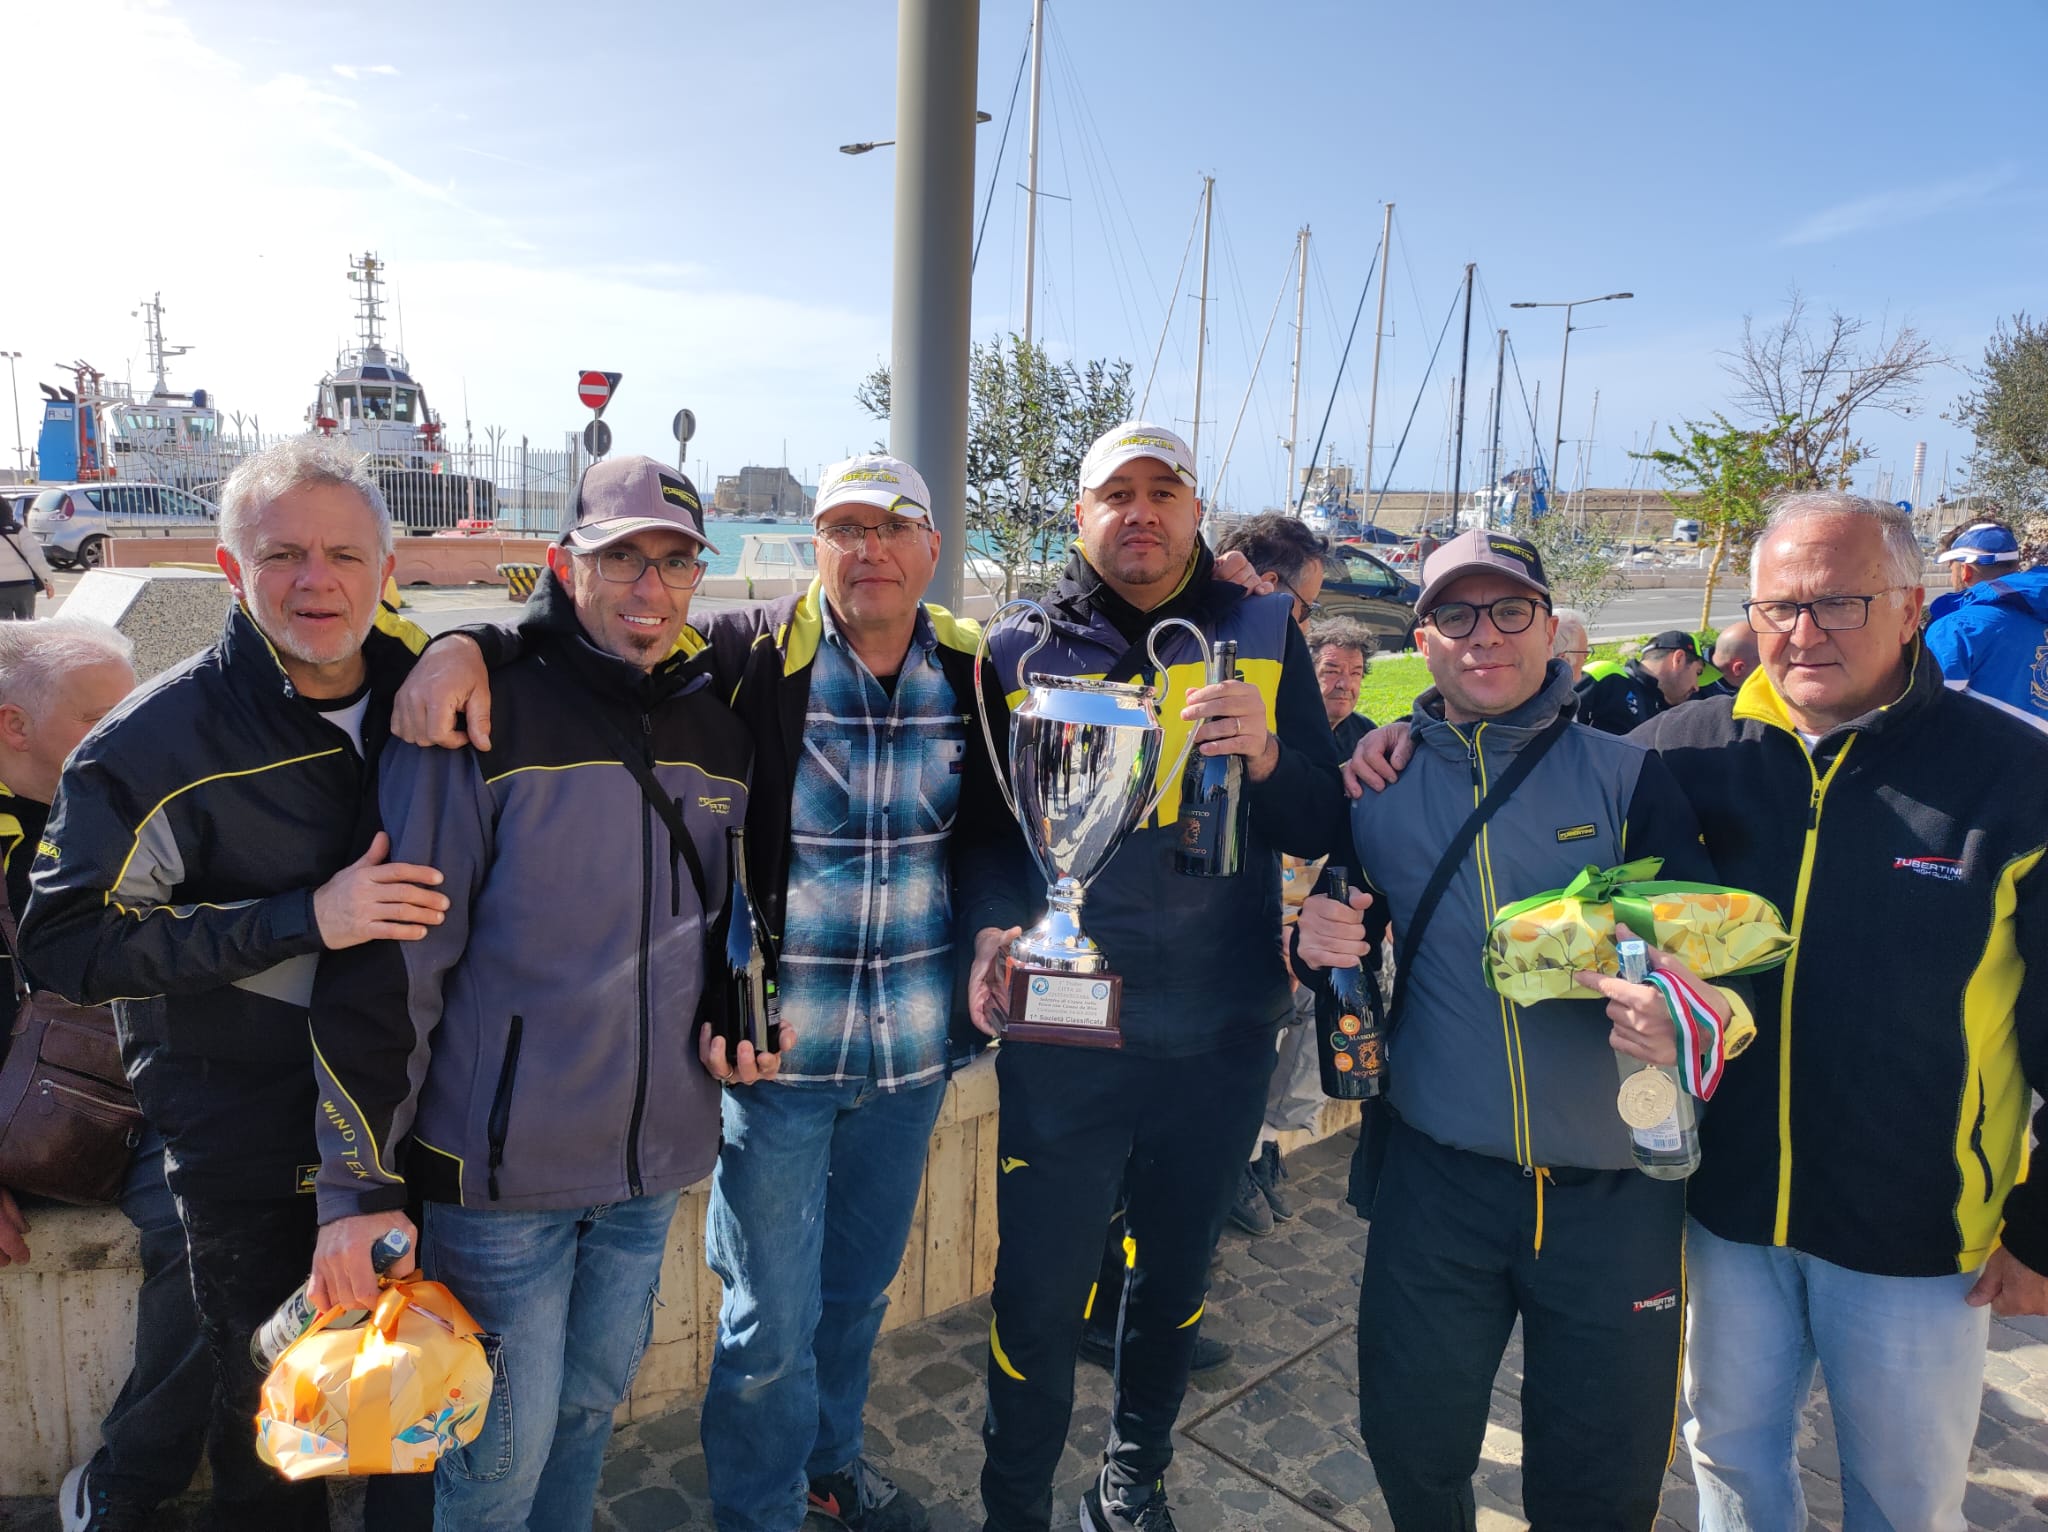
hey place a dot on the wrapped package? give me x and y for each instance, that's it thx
(1535, 945)
(388, 1395)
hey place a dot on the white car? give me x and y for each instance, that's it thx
(74, 521)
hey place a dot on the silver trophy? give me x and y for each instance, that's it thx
(1083, 773)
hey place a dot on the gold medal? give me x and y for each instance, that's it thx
(1646, 1098)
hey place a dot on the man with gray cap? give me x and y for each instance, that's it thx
(526, 1066)
(1499, 1178)
(869, 787)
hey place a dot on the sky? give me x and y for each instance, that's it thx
(655, 189)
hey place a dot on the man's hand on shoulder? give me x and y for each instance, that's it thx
(1378, 758)
(1233, 568)
(2010, 1286)
(449, 686)
(374, 900)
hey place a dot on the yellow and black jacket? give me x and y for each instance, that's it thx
(1199, 957)
(1880, 1120)
(176, 881)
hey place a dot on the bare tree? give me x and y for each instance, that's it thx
(1820, 372)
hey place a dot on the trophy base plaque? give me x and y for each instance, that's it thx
(1077, 1010)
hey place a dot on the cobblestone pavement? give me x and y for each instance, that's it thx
(1269, 1442)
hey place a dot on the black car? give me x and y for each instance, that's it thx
(1359, 584)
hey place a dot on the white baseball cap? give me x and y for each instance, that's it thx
(1127, 443)
(874, 478)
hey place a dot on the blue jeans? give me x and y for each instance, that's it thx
(1903, 1359)
(810, 1207)
(569, 1295)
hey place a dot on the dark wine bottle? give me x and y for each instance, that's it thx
(1350, 1041)
(1213, 805)
(752, 1006)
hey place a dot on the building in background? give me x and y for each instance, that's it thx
(762, 494)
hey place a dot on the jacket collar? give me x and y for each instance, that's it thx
(1760, 700)
(1507, 732)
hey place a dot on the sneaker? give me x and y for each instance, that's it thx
(1120, 1512)
(1250, 1211)
(1099, 1347)
(860, 1498)
(1271, 1171)
(86, 1507)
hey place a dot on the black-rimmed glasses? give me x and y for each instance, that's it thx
(1304, 608)
(1831, 614)
(1509, 615)
(625, 566)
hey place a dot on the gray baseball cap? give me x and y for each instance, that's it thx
(1480, 552)
(621, 496)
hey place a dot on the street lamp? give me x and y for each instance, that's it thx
(1557, 443)
(883, 143)
(20, 454)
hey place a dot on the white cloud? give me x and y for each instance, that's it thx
(1897, 205)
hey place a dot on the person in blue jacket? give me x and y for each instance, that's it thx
(1990, 632)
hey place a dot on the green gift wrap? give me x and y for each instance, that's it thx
(1535, 945)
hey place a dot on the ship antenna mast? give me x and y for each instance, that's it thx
(370, 306)
(152, 312)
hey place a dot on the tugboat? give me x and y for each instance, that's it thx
(372, 401)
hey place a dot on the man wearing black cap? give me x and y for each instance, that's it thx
(1667, 674)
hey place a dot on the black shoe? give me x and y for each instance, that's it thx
(1100, 1349)
(861, 1499)
(83, 1506)
(1250, 1211)
(1271, 1171)
(1124, 1514)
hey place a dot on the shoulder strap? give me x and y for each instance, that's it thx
(13, 942)
(1454, 858)
(670, 811)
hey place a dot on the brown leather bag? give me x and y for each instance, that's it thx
(68, 1121)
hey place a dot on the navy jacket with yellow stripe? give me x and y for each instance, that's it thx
(1880, 1121)
(176, 881)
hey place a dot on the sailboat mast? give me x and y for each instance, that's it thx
(1500, 365)
(1464, 366)
(1379, 330)
(1202, 320)
(1294, 393)
(1031, 168)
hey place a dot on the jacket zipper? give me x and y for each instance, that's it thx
(501, 1102)
(1782, 1221)
(640, 960)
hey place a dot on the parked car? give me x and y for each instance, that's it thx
(1685, 530)
(15, 499)
(73, 522)
(1362, 585)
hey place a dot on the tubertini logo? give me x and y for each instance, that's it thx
(1945, 869)
(1657, 1303)
(715, 805)
(1577, 832)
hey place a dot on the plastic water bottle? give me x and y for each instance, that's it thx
(296, 1314)
(1662, 1125)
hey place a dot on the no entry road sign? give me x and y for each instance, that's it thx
(595, 389)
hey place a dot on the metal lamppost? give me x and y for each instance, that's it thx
(20, 453)
(1557, 442)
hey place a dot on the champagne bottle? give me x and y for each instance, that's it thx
(1213, 805)
(1668, 1148)
(752, 1005)
(296, 1314)
(1350, 1039)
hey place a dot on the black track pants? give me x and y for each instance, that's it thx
(1077, 1126)
(1456, 1252)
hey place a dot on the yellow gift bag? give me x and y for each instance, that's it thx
(1535, 945)
(389, 1395)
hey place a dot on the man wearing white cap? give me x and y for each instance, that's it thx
(1167, 1120)
(868, 787)
(1990, 632)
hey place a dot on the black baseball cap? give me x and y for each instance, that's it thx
(1674, 638)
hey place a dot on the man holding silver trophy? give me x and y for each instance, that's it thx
(1168, 1024)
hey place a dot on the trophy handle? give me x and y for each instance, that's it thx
(988, 737)
(1159, 665)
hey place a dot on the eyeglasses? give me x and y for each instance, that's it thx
(851, 536)
(1509, 615)
(1831, 614)
(1302, 606)
(625, 566)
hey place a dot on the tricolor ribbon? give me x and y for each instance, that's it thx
(1700, 1055)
